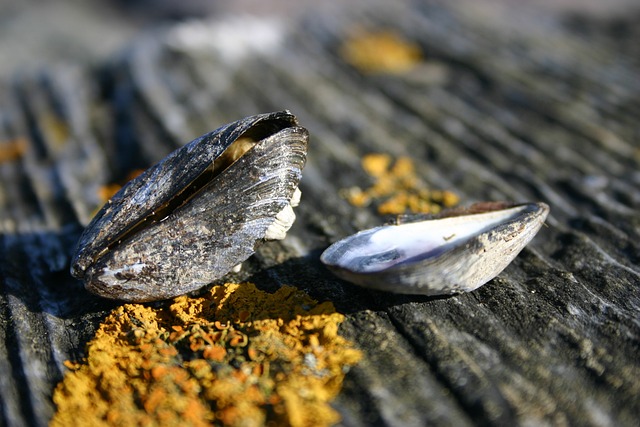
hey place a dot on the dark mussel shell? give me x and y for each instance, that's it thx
(192, 217)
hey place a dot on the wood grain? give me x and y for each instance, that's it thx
(548, 113)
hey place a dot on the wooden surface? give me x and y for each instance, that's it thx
(505, 106)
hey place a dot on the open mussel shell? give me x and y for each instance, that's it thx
(452, 254)
(192, 217)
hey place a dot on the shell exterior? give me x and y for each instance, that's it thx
(191, 218)
(448, 255)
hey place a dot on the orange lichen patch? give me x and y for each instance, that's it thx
(376, 164)
(13, 149)
(237, 356)
(397, 189)
(109, 190)
(380, 52)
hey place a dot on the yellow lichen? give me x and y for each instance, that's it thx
(376, 164)
(107, 191)
(380, 52)
(237, 356)
(13, 149)
(397, 189)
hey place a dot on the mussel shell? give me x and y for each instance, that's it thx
(209, 234)
(461, 265)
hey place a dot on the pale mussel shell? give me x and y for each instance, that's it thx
(457, 252)
(192, 217)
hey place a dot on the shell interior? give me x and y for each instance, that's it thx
(385, 247)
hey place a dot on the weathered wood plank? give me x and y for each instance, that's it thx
(545, 114)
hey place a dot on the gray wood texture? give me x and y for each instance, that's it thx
(546, 113)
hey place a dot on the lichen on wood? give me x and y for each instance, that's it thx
(236, 356)
(381, 51)
(397, 189)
